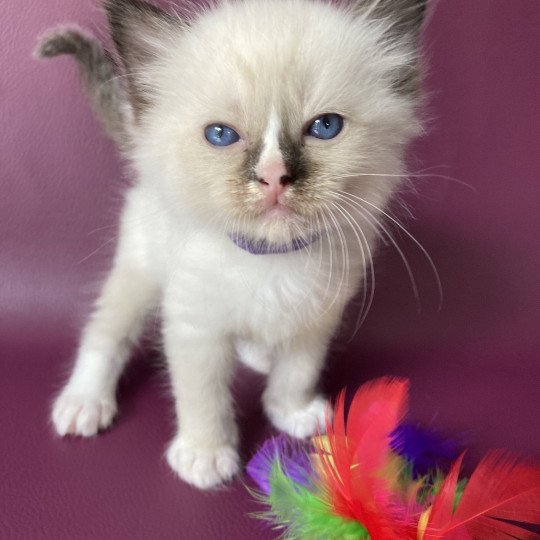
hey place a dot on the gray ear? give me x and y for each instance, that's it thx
(140, 31)
(404, 20)
(405, 16)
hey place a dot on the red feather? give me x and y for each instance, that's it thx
(442, 507)
(359, 452)
(499, 488)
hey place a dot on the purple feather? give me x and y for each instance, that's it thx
(425, 450)
(292, 455)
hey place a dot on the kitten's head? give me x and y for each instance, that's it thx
(266, 116)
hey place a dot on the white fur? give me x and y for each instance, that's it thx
(239, 64)
(271, 150)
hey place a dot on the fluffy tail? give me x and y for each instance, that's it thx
(98, 72)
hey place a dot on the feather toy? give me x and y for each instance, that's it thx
(424, 449)
(371, 477)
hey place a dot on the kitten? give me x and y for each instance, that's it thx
(267, 138)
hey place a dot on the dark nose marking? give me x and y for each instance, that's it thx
(294, 160)
(285, 180)
(293, 156)
(250, 162)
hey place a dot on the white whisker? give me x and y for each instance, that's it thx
(358, 200)
(367, 261)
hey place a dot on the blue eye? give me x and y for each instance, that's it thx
(326, 126)
(220, 135)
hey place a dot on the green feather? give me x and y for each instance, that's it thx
(433, 484)
(304, 514)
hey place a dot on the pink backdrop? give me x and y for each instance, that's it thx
(474, 365)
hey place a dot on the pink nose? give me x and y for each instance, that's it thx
(274, 179)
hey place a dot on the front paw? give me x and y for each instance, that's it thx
(204, 468)
(80, 414)
(300, 422)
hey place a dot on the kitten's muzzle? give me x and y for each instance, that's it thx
(274, 179)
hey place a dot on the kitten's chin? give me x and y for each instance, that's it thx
(279, 225)
(275, 224)
(278, 213)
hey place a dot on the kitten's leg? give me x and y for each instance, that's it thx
(255, 356)
(88, 403)
(291, 400)
(204, 451)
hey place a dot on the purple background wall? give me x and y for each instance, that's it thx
(473, 365)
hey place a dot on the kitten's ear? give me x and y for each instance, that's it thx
(403, 21)
(405, 17)
(142, 33)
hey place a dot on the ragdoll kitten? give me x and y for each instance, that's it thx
(267, 138)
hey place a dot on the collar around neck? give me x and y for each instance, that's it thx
(263, 247)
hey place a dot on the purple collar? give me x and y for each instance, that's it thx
(262, 247)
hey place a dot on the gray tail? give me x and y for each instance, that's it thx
(98, 72)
